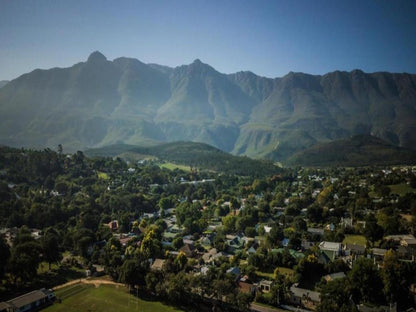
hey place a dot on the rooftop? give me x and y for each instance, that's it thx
(28, 298)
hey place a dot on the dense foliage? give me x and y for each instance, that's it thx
(255, 228)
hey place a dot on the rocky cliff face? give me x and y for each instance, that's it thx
(101, 102)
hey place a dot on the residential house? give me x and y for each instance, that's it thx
(125, 240)
(208, 256)
(157, 264)
(251, 250)
(407, 240)
(331, 249)
(371, 308)
(113, 225)
(285, 242)
(204, 270)
(346, 222)
(265, 285)
(352, 249)
(378, 254)
(306, 245)
(304, 297)
(245, 285)
(316, 231)
(207, 239)
(188, 250)
(235, 271)
(235, 244)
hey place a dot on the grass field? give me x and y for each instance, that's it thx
(172, 166)
(282, 270)
(355, 239)
(103, 176)
(401, 189)
(82, 297)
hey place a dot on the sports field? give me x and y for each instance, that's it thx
(84, 297)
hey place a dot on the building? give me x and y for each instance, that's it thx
(113, 225)
(304, 297)
(265, 285)
(32, 301)
(331, 249)
(352, 249)
(245, 285)
(157, 265)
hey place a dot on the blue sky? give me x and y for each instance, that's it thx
(267, 37)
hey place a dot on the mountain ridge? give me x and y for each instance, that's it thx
(101, 102)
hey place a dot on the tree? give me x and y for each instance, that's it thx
(180, 261)
(366, 284)
(228, 223)
(373, 232)
(177, 287)
(243, 301)
(250, 231)
(24, 261)
(336, 296)
(164, 203)
(315, 213)
(133, 271)
(153, 280)
(396, 279)
(177, 242)
(309, 269)
(5, 255)
(50, 247)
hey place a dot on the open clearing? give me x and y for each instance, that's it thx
(85, 297)
(282, 270)
(401, 189)
(172, 166)
(355, 239)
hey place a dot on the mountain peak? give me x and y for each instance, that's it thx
(197, 61)
(96, 56)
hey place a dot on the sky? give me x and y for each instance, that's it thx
(267, 37)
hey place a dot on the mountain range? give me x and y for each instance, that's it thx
(101, 102)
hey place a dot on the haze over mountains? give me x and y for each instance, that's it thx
(100, 102)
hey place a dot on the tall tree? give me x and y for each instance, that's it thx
(366, 284)
(24, 261)
(336, 296)
(50, 247)
(397, 278)
(5, 255)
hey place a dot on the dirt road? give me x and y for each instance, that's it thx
(95, 282)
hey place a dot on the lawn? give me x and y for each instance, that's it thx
(270, 276)
(401, 189)
(82, 297)
(103, 176)
(172, 166)
(355, 239)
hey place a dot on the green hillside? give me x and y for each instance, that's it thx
(356, 151)
(196, 155)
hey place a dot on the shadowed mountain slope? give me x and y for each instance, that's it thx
(101, 102)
